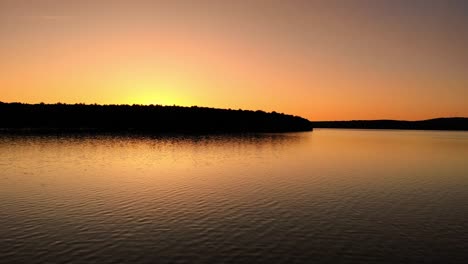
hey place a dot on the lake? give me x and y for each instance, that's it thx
(329, 196)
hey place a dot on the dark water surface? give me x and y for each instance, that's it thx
(329, 196)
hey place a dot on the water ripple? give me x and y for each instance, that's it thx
(328, 196)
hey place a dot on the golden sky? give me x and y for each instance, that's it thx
(323, 60)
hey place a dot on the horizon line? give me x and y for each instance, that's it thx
(234, 109)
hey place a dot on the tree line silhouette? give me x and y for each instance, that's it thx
(143, 118)
(452, 123)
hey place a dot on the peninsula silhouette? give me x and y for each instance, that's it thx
(142, 118)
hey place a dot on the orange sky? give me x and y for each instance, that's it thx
(323, 60)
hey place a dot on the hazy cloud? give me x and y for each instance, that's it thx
(52, 17)
(41, 17)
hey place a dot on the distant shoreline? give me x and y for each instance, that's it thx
(442, 124)
(19, 118)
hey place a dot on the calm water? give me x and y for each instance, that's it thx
(336, 196)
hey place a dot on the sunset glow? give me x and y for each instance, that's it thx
(323, 60)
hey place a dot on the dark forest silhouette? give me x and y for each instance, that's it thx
(140, 118)
(453, 123)
(19, 117)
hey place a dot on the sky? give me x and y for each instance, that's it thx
(323, 60)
